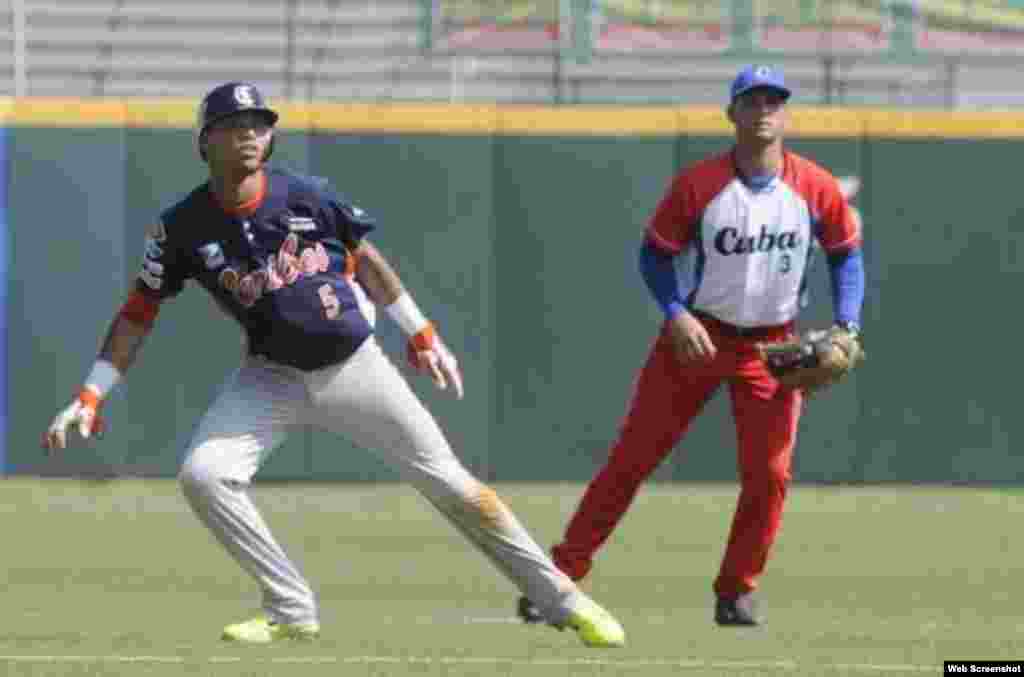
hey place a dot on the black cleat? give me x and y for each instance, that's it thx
(528, 612)
(738, 611)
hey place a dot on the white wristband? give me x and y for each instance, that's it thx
(103, 377)
(407, 315)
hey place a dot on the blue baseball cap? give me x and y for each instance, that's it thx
(752, 77)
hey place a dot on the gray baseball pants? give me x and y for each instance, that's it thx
(367, 400)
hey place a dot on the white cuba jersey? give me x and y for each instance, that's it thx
(751, 247)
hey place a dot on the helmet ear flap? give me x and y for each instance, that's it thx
(270, 147)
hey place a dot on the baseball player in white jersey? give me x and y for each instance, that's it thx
(747, 220)
(288, 258)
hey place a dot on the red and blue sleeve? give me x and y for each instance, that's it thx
(839, 230)
(659, 273)
(675, 218)
(671, 228)
(836, 226)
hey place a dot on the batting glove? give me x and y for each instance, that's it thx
(426, 352)
(81, 414)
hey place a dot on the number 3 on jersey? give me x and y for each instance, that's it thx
(330, 301)
(785, 263)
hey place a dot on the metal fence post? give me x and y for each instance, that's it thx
(428, 16)
(289, 64)
(18, 28)
(741, 34)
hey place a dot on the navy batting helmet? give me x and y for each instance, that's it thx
(230, 99)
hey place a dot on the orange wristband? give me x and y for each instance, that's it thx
(424, 339)
(89, 398)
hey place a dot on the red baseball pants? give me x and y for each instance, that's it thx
(667, 398)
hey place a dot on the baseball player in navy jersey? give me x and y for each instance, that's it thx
(289, 259)
(746, 219)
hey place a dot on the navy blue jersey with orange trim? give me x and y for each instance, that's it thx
(307, 322)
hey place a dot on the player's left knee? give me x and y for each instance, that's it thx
(198, 477)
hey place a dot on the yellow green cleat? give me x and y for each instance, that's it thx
(595, 626)
(260, 630)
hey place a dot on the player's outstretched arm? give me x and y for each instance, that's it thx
(120, 348)
(426, 351)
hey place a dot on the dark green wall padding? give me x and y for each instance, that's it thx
(523, 249)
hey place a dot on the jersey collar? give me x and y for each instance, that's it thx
(249, 207)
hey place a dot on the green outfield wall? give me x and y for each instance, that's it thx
(517, 230)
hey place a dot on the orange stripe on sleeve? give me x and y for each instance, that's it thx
(350, 266)
(140, 309)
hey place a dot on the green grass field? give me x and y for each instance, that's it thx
(118, 578)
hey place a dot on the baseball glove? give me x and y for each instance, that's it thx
(814, 361)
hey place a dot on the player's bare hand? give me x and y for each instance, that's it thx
(81, 416)
(428, 353)
(690, 339)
